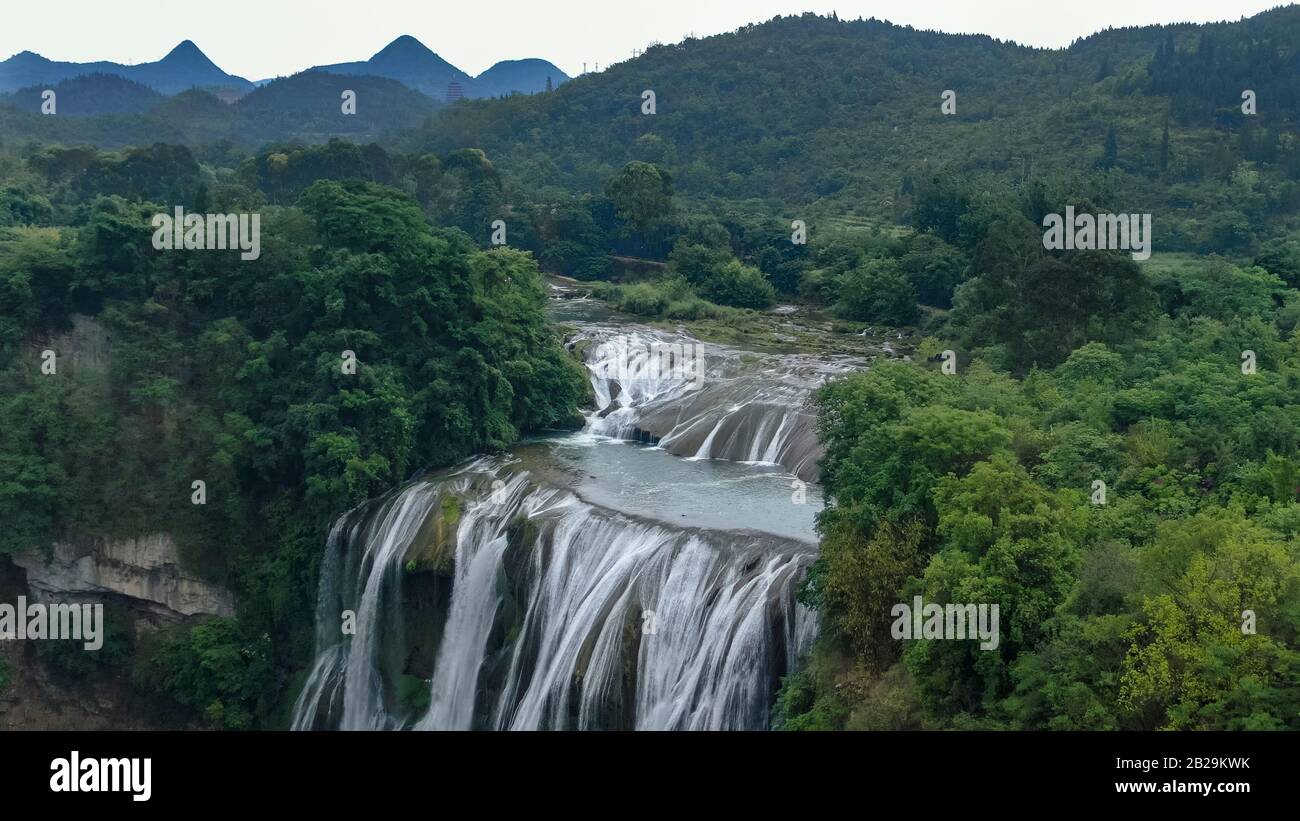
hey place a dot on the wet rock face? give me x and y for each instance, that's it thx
(757, 429)
(145, 569)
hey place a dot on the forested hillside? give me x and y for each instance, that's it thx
(230, 372)
(811, 116)
(305, 108)
(967, 472)
(1112, 458)
(87, 95)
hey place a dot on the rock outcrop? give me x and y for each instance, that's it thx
(145, 569)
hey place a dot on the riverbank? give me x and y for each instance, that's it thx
(788, 328)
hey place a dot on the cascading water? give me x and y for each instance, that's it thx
(729, 404)
(557, 614)
(585, 583)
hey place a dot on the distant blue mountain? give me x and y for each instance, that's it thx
(406, 60)
(183, 68)
(414, 65)
(409, 62)
(525, 76)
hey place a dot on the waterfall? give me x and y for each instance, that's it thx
(557, 614)
(498, 596)
(723, 404)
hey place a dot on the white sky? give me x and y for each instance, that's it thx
(264, 38)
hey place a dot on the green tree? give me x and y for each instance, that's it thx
(877, 291)
(1040, 306)
(1191, 663)
(738, 285)
(642, 194)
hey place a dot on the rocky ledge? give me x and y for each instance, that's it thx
(146, 569)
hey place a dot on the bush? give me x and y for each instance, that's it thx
(696, 262)
(935, 269)
(215, 669)
(643, 299)
(1281, 257)
(878, 291)
(817, 285)
(71, 660)
(740, 286)
(692, 308)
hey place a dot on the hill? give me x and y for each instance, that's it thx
(834, 121)
(184, 67)
(413, 64)
(840, 119)
(306, 107)
(408, 61)
(87, 95)
(517, 76)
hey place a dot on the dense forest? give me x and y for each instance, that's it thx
(814, 117)
(1172, 384)
(231, 372)
(1114, 462)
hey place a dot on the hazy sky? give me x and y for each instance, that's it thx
(263, 38)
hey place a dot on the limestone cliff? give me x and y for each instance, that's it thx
(145, 569)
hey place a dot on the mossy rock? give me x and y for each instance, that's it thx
(512, 615)
(580, 349)
(434, 548)
(413, 695)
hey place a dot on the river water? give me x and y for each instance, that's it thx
(637, 574)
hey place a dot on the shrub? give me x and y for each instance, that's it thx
(878, 291)
(740, 286)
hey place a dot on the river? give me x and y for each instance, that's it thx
(637, 574)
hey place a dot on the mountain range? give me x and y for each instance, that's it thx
(413, 64)
(109, 110)
(405, 60)
(184, 67)
(847, 115)
(838, 120)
